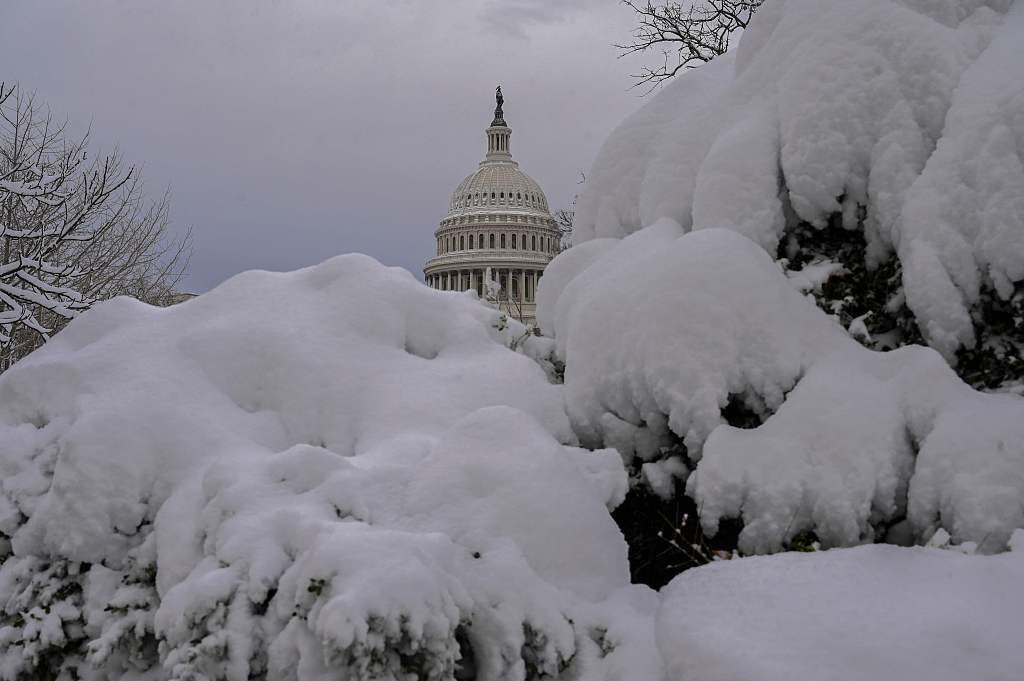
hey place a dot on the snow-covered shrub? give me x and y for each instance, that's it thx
(895, 119)
(331, 473)
(874, 149)
(41, 621)
(666, 333)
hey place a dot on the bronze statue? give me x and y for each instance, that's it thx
(499, 116)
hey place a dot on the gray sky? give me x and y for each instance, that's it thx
(291, 131)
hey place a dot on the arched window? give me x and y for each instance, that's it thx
(533, 245)
(471, 242)
(462, 243)
(519, 196)
(503, 241)
(492, 240)
(523, 242)
(492, 195)
(503, 195)
(513, 241)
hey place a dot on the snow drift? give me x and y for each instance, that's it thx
(901, 116)
(871, 612)
(332, 468)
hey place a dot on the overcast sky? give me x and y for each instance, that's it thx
(291, 131)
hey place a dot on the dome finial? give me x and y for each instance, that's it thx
(499, 116)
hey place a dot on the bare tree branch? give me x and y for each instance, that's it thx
(688, 34)
(71, 233)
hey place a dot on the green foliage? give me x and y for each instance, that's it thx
(127, 640)
(42, 627)
(875, 294)
(804, 541)
(997, 359)
(316, 586)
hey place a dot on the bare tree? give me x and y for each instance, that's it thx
(687, 33)
(71, 232)
(564, 218)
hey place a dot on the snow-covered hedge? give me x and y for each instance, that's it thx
(335, 468)
(665, 330)
(898, 121)
(902, 118)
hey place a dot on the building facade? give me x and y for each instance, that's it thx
(499, 234)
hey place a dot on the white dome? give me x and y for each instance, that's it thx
(498, 235)
(499, 185)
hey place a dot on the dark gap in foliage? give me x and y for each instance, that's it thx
(997, 359)
(665, 537)
(875, 292)
(739, 414)
(465, 668)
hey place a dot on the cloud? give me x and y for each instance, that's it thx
(516, 17)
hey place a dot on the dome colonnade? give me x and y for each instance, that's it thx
(498, 229)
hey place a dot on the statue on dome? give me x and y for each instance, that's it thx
(499, 116)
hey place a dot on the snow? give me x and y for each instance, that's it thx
(340, 473)
(872, 612)
(380, 485)
(664, 330)
(814, 275)
(334, 465)
(902, 117)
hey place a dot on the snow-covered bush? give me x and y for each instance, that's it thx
(898, 120)
(871, 156)
(331, 473)
(666, 331)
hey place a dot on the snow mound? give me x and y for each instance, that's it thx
(900, 116)
(666, 334)
(335, 468)
(872, 612)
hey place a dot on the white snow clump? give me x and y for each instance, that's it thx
(335, 468)
(665, 330)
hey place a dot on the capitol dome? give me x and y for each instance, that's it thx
(509, 186)
(498, 234)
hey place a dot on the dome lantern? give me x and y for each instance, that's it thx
(499, 134)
